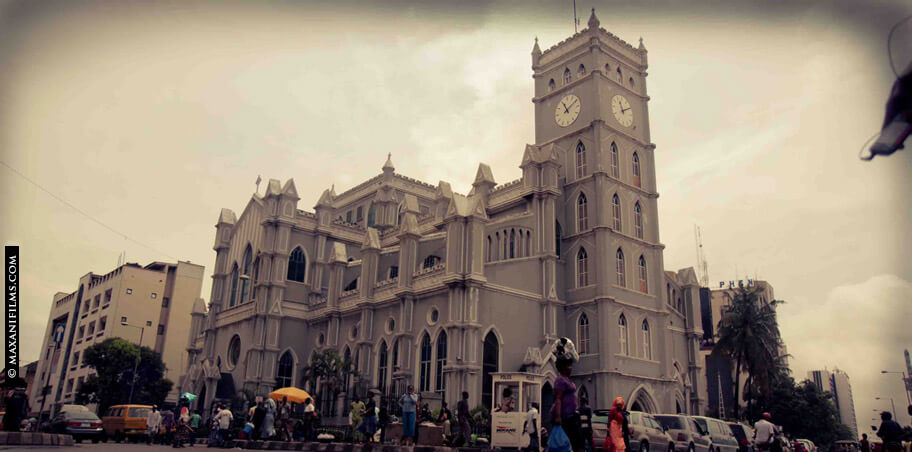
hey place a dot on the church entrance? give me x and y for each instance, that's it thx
(491, 357)
(547, 401)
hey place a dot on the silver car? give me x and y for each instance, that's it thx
(647, 435)
(686, 434)
(723, 440)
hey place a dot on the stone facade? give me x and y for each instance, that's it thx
(422, 285)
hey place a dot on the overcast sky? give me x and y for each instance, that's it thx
(151, 119)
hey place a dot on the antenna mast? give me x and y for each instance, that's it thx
(702, 267)
(575, 19)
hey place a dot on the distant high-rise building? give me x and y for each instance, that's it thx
(837, 383)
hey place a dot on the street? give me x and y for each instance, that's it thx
(111, 447)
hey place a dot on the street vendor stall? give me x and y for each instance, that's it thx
(512, 395)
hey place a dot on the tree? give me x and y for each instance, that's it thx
(113, 361)
(749, 336)
(803, 411)
(331, 371)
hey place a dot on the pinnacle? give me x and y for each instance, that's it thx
(593, 21)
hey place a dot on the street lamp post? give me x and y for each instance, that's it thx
(138, 355)
(891, 403)
(905, 378)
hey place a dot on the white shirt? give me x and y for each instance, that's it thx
(309, 408)
(224, 418)
(764, 431)
(154, 420)
(531, 421)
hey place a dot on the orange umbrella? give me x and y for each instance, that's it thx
(293, 394)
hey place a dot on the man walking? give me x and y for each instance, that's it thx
(764, 432)
(531, 428)
(224, 418)
(153, 424)
(462, 414)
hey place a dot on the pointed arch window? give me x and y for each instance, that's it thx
(256, 269)
(638, 219)
(234, 286)
(558, 235)
(371, 215)
(346, 358)
(245, 276)
(580, 160)
(297, 265)
(615, 168)
(607, 69)
(382, 367)
(631, 82)
(490, 253)
(495, 254)
(512, 243)
(551, 85)
(490, 363)
(620, 268)
(568, 77)
(582, 213)
(622, 335)
(581, 71)
(528, 243)
(647, 340)
(616, 211)
(636, 169)
(506, 245)
(620, 75)
(424, 366)
(643, 285)
(440, 383)
(285, 371)
(582, 268)
(582, 334)
(395, 362)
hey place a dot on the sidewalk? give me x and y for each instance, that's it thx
(339, 447)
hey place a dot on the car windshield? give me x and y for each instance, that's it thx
(702, 424)
(738, 430)
(139, 412)
(670, 422)
(600, 417)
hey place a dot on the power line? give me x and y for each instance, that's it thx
(81, 212)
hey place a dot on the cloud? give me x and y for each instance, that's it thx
(861, 328)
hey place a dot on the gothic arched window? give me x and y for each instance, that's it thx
(581, 71)
(631, 82)
(490, 364)
(558, 234)
(551, 85)
(285, 371)
(616, 211)
(424, 366)
(582, 268)
(580, 160)
(440, 383)
(512, 243)
(615, 170)
(582, 214)
(636, 169)
(568, 77)
(620, 268)
(246, 274)
(297, 265)
(620, 75)
(638, 220)
(647, 341)
(382, 367)
(643, 285)
(622, 335)
(582, 334)
(234, 286)
(490, 254)
(371, 215)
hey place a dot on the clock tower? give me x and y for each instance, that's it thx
(591, 107)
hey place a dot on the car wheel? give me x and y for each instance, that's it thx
(644, 446)
(691, 448)
(671, 447)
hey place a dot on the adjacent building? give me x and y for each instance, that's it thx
(837, 383)
(419, 284)
(151, 303)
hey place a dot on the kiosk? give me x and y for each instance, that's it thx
(507, 426)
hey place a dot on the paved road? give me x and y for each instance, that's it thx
(109, 447)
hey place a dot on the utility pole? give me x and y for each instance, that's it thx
(575, 19)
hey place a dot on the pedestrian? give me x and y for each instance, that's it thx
(284, 420)
(890, 432)
(565, 403)
(223, 419)
(530, 427)
(259, 415)
(354, 417)
(764, 432)
(585, 414)
(383, 419)
(445, 419)
(369, 418)
(615, 440)
(310, 416)
(153, 425)
(166, 432)
(463, 416)
(16, 410)
(864, 443)
(181, 427)
(268, 428)
(196, 422)
(409, 405)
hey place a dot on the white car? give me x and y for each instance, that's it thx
(684, 431)
(721, 436)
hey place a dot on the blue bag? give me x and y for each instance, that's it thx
(558, 441)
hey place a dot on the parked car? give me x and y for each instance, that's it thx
(81, 424)
(126, 422)
(745, 436)
(686, 434)
(72, 407)
(847, 446)
(647, 435)
(721, 436)
(805, 445)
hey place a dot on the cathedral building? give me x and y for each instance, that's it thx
(421, 285)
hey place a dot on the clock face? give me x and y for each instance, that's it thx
(567, 110)
(623, 112)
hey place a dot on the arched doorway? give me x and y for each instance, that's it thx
(547, 401)
(642, 400)
(490, 360)
(201, 400)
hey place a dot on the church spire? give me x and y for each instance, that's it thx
(536, 52)
(388, 166)
(593, 21)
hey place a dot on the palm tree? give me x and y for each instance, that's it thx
(749, 336)
(331, 370)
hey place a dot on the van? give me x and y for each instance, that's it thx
(126, 422)
(723, 440)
